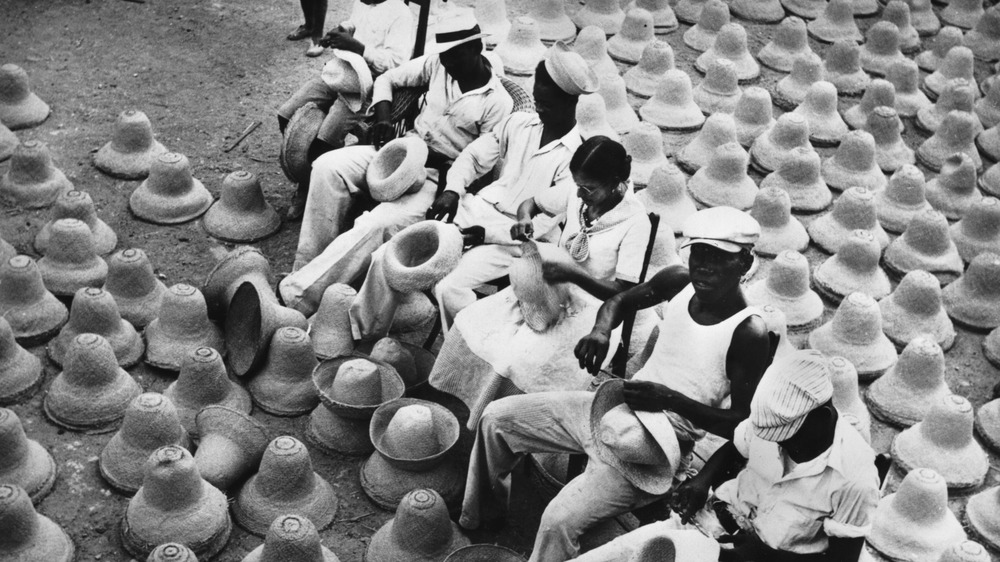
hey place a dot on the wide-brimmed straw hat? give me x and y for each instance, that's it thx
(132, 148)
(29, 534)
(26, 463)
(348, 74)
(541, 304)
(299, 135)
(420, 532)
(414, 434)
(363, 386)
(397, 169)
(420, 255)
(19, 106)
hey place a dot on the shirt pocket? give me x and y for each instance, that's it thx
(464, 116)
(783, 522)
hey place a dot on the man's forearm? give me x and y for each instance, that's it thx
(717, 421)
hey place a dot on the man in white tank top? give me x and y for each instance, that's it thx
(712, 346)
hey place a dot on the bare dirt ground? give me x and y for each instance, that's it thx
(202, 71)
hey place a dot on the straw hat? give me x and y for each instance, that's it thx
(253, 319)
(988, 416)
(731, 44)
(915, 309)
(915, 523)
(592, 118)
(962, 13)
(984, 39)
(203, 381)
(181, 327)
(285, 484)
(855, 333)
(637, 31)
(965, 551)
(988, 108)
(592, 45)
(846, 397)
(799, 177)
(836, 23)
(789, 41)
(945, 39)
(904, 75)
(34, 313)
(773, 147)
(688, 11)
(902, 199)
(175, 504)
(607, 15)
(787, 288)
(412, 362)
(95, 311)
(879, 93)
(909, 389)
(132, 148)
(336, 435)
(640, 80)
(958, 94)
(299, 135)
(283, 386)
(720, 90)
(758, 11)
(20, 108)
(854, 210)
(30, 535)
(943, 441)
(819, 107)
(72, 261)
(953, 191)
(664, 19)
(397, 169)
(854, 165)
(897, 13)
(355, 386)
(76, 204)
(542, 304)
(753, 115)
(666, 195)
(420, 532)
(644, 143)
(420, 255)
(92, 392)
(244, 263)
(134, 286)
(959, 62)
(150, 422)
(241, 214)
(25, 463)
(979, 230)
(172, 552)
(8, 142)
(714, 14)
(484, 553)
(891, 152)
(620, 114)
(719, 129)
(672, 107)
(492, 17)
(925, 245)
(790, 91)
(20, 371)
(230, 445)
(988, 143)
(724, 182)
(807, 9)
(779, 231)
(291, 537)
(953, 139)
(347, 73)
(170, 195)
(881, 48)
(974, 299)
(842, 68)
(330, 327)
(553, 23)
(981, 512)
(32, 181)
(853, 268)
(923, 17)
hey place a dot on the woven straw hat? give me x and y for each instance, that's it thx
(988, 420)
(953, 139)
(253, 319)
(779, 231)
(150, 422)
(958, 94)
(791, 90)
(819, 107)
(842, 68)
(787, 288)
(170, 195)
(420, 532)
(724, 182)
(979, 229)
(943, 441)
(759, 11)
(943, 41)
(879, 93)
(25, 463)
(230, 445)
(854, 210)
(688, 11)
(799, 177)
(926, 245)
(30, 535)
(897, 12)
(902, 200)
(915, 523)
(923, 18)
(92, 392)
(640, 80)
(95, 311)
(420, 255)
(915, 383)
(719, 129)
(607, 15)
(731, 43)
(904, 75)
(284, 484)
(241, 214)
(836, 23)
(245, 263)
(522, 49)
(666, 195)
(981, 512)
(203, 381)
(542, 304)
(397, 169)
(664, 18)
(291, 537)
(983, 39)
(492, 17)
(336, 435)
(181, 327)
(962, 13)
(20, 371)
(974, 299)
(172, 552)
(914, 309)
(953, 191)
(299, 135)
(672, 107)
(637, 31)
(753, 115)
(175, 504)
(846, 397)
(713, 15)
(772, 148)
(414, 435)
(76, 204)
(484, 553)
(965, 551)
(32, 181)
(854, 165)
(854, 268)
(132, 148)
(412, 362)
(330, 327)
(135, 287)
(720, 90)
(881, 48)
(644, 143)
(855, 333)
(790, 40)
(20, 108)
(620, 114)
(72, 262)
(553, 23)
(354, 386)
(34, 313)
(592, 118)
(592, 46)
(283, 386)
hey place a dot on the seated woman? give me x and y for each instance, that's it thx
(600, 253)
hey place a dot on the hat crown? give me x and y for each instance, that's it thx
(855, 209)
(919, 292)
(790, 130)
(948, 423)
(150, 422)
(638, 25)
(411, 433)
(719, 128)
(958, 62)
(644, 142)
(800, 167)
(657, 57)
(839, 11)
(202, 379)
(772, 207)
(623, 433)
(922, 497)
(958, 93)
(904, 75)
(75, 204)
(714, 15)
(674, 88)
(13, 441)
(821, 98)
(17, 517)
(843, 57)
(72, 242)
(358, 383)
(241, 191)
(666, 184)
(844, 378)
(591, 43)
(857, 320)
(928, 233)
(897, 13)
(806, 69)
(949, 36)
(856, 151)
(392, 352)
(132, 132)
(966, 551)
(422, 522)
(791, 34)
(860, 252)
(883, 123)
(907, 186)
(879, 92)
(958, 173)
(22, 282)
(982, 220)
(130, 274)
(90, 363)
(523, 32)
(172, 552)
(292, 537)
(956, 132)
(15, 86)
(721, 78)
(728, 164)
(921, 364)
(882, 39)
(983, 275)
(171, 481)
(789, 275)
(170, 175)
(183, 311)
(286, 472)
(754, 106)
(330, 327)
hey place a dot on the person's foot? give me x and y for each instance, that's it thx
(300, 33)
(298, 206)
(315, 50)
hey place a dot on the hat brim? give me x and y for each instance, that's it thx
(446, 427)
(299, 135)
(436, 48)
(324, 374)
(724, 245)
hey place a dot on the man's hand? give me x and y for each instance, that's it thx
(340, 39)
(688, 498)
(648, 396)
(473, 236)
(522, 230)
(444, 208)
(591, 351)
(747, 547)
(382, 131)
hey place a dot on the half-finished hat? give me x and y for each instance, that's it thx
(553, 23)
(953, 191)
(347, 73)
(799, 177)
(299, 135)
(20, 108)
(542, 304)
(787, 288)
(719, 129)
(915, 523)
(181, 327)
(790, 91)
(979, 230)
(914, 308)
(253, 319)
(943, 441)
(620, 114)
(664, 18)
(202, 382)
(132, 148)
(150, 422)
(244, 263)
(855, 333)
(988, 108)
(522, 49)
(773, 147)
(134, 286)
(897, 12)
(701, 36)
(640, 80)
(354, 386)
(988, 416)
(854, 164)
(881, 48)
(32, 181)
(454, 28)
(904, 75)
(984, 38)
(909, 389)
(724, 181)
(34, 313)
(607, 15)
(397, 169)
(853, 268)
(175, 504)
(230, 445)
(953, 139)
(902, 199)
(779, 231)
(283, 386)
(958, 63)
(667, 196)
(72, 261)
(592, 118)
(95, 311)
(284, 484)
(719, 91)
(731, 43)
(30, 535)
(943, 41)
(672, 107)
(923, 17)
(20, 371)
(420, 532)
(826, 127)
(758, 11)
(420, 255)
(891, 152)
(958, 94)
(8, 142)
(644, 143)
(291, 537)
(789, 41)
(854, 210)
(842, 68)
(981, 512)
(172, 552)
(688, 11)
(925, 245)
(974, 299)
(836, 23)
(879, 93)
(753, 115)
(484, 553)
(92, 392)
(846, 397)
(170, 195)
(637, 31)
(24, 462)
(592, 46)
(330, 327)
(412, 362)
(76, 204)
(962, 13)
(241, 214)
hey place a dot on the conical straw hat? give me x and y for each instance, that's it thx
(958, 62)
(688, 11)
(181, 327)
(664, 18)
(640, 80)
(943, 441)
(758, 11)
(620, 114)
(881, 48)
(923, 17)
(241, 214)
(150, 422)
(20, 108)
(904, 75)
(854, 164)
(909, 389)
(902, 199)
(414, 435)
(724, 181)
(607, 15)
(988, 416)
(974, 299)
(92, 392)
(542, 304)
(95, 311)
(806, 9)
(915, 523)
(283, 386)
(891, 152)
(592, 45)
(962, 13)
(779, 231)
(330, 327)
(989, 182)
(772, 148)
(787, 288)
(172, 552)
(846, 397)
(731, 44)
(420, 255)
(175, 504)
(789, 41)
(24, 462)
(914, 308)
(753, 115)
(931, 59)
(592, 118)
(826, 127)
(553, 23)
(34, 313)
(230, 445)
(984, 38)
(253, 319)
(720, 90)
(412, 362)
(790, 91)
(799, 177)
(132, 148)
(284, 484)
(484, 553)
(842, 68)
(72, 262)
(714, 14)
(397, 169)
(954, 138)
(644, 143)
(336, 435)
(879, 93)
(853, 268)
(420, 531)
(854, 210)
(897, 12)
(203, 381)
(988, 108)
(953, 191)
(29, 535)
(719, 129)
(135, 287)
(979, 230)
(981, 512)
(926, 245)
(672, 107)
(170, 195)
(958, 94)
(855, 333)
(637, 31)
(354, 386)
(76, 204)
(492, 18)
(836, 23)
(245, 263)
(291, 537)
(666, 195)
(20, 371)
(32, 181)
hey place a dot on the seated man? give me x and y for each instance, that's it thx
(464, 100)
(535, 151)
(712, 347)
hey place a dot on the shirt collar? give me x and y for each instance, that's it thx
(571, 140)
(490, 86)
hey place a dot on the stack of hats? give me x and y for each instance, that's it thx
(553, 23)
(853, 268)
(826, 126)
(672, 107)
(753, 115)
(902, 199)
(891, 153)
(904, 76)
(34, 313)
(644, 143)
(202, 382)
(789, 41)
(984, 38)
(974, 299)
(285, 484)
(791, 90)
(181, 327)
(787, 288)
(283, 386)
(667, 196)
(20, 371)
(931, 59)
(854, 165)
(245, 263)
(251, 322)
(772, 148)
(76, 204)
(881, 48)
(28, 535)
(779, 230)
(32, 181)
(981, 512)
(912, 386)
(170, 195)
(606, 15)
(836, 23)
(953, 191)
(421, 530)
(350, 389)
(24, 462)
(150, 422)
(846, 397)
(413, 442)
(637, 31)
(842, 68)
(701, 36)
(20, 108)
(241, 214)
(718, 130)
(291, 537)
(897, 13)
(799, 176)
(94, 311)
(720, 89)
(175, 504)
(855, 333)
(915, 309)
(953, 140)
(640, 80)
(134, 286)
(230, 445)
(92, 392)
(330, 327)
(731, 43)
(724, 182)
(854, 210)
(132, 148)
(879, 93)
(72, 261)
(412, 362)
(979, 229)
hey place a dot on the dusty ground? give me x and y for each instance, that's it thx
(202, 72)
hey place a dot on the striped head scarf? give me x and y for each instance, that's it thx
(795, 384)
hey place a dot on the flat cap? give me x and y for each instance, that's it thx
(726, 228)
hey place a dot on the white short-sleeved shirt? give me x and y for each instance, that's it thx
(833, 495)
(386, 30)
